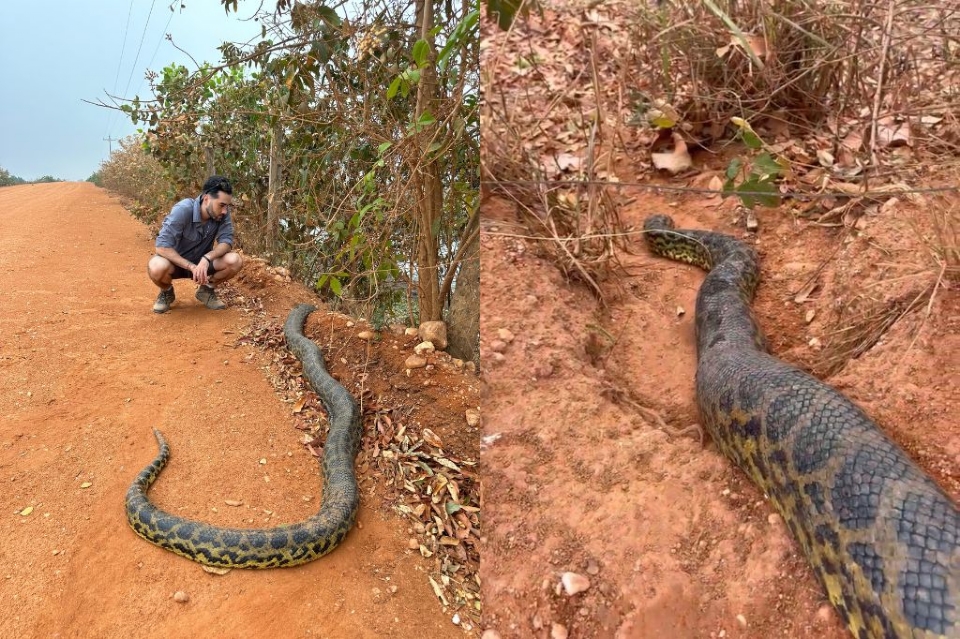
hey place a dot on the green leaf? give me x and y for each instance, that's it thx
(751, 139)
(394, 87)
(426, 118)
(383, 147)
(452, 507)
(766, 166)
(336, 286)
(733, 168)
(328, 15)
(420, 52)
(754, 191)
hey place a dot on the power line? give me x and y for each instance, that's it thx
(116, 78)
(159, 42)
(139, 48)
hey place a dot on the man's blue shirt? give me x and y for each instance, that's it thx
(188, 235)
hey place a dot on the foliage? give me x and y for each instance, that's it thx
(752, 177)
(331, 95)
(133, 173)
(6, 179)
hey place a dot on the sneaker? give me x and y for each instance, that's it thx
(209, 298)
(164, 300)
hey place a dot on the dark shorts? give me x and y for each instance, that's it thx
(180, 273)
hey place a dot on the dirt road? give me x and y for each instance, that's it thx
(86, 371)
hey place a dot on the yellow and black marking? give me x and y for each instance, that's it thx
(282, 546)
(882, 537)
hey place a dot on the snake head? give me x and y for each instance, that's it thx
(658, 222)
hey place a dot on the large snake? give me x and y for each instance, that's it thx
(288, 545)
(881, 536)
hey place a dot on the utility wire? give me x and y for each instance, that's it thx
(116, 79)
(139, 48)
(163, 35)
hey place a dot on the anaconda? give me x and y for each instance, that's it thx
(281, 546)
(883, 539)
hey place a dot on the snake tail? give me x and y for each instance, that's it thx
(281, 546)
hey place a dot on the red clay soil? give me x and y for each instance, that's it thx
(87, 371)
(579, 475)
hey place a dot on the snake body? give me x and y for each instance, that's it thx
(881, 536)
(282, 546)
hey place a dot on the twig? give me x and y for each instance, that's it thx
(879, 93)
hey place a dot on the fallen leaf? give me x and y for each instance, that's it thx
(26, 511)
(674, 161)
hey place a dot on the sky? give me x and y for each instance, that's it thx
(56, 53)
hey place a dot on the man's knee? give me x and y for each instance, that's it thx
(159, 267)
(233, 262)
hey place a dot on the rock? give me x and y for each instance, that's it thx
(558, 631)
(470, 366)
(435, 332)
(181, 597)
(424, 347)
(505, 335)
(574, 583)
(742, 620)
(490, 633)
(413, 544)
(473, 417)
(366, 335)
(409, 332)
(592, 567)
(415, 361)
(498, 346)
(826, 614)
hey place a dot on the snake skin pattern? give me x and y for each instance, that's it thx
(288, 545)
(882, 537)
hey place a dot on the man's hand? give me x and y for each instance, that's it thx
(200, 271)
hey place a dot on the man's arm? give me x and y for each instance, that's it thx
(171, 254)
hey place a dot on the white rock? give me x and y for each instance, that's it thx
(424, 347)
(505, 335)
(574, 583)
(410, 331)
(558, 631)
(181, 597)
(473, 417)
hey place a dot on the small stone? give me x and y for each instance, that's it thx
(415, 361)
(424, 347)
(505, 335)
(366, 335)
(263, 460)
(826, 614)
(574, 583)
(181, 597)
(498, 346)
(409, 332)
(473, 417)
(774, 518)
(680, 311)
(471, 367)
(413, 544)
(558, 631)
(593, 568)
(742, 620)
(809, 316)
(233, 502)
(456, 619)
(814, 342)
(490, 633)
(351, 324)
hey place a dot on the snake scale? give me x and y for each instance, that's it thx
(881, 536)
(287, 545)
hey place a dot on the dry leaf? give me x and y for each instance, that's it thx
(86, 484)
(805, 292)
(26, 511)
(675, 161)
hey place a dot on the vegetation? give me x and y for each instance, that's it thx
(6, 179)
(352, 140)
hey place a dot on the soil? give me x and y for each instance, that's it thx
(581, 476)
(88, 371)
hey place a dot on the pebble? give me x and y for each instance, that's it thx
(413, 544)
(574, 583)
(350, 324)
(456, 619)
(424, 347)
(498, 346)
(742, 620)
(592, 567)
(490, 633)
(410, 331)
(233, 502)
(774, 518)
(558, 631)
(473, 417)
(505, 335)
(181, 597)
(415, 361)
(826, 614)
(366, 335)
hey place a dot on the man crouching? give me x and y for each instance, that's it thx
(195, 241)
